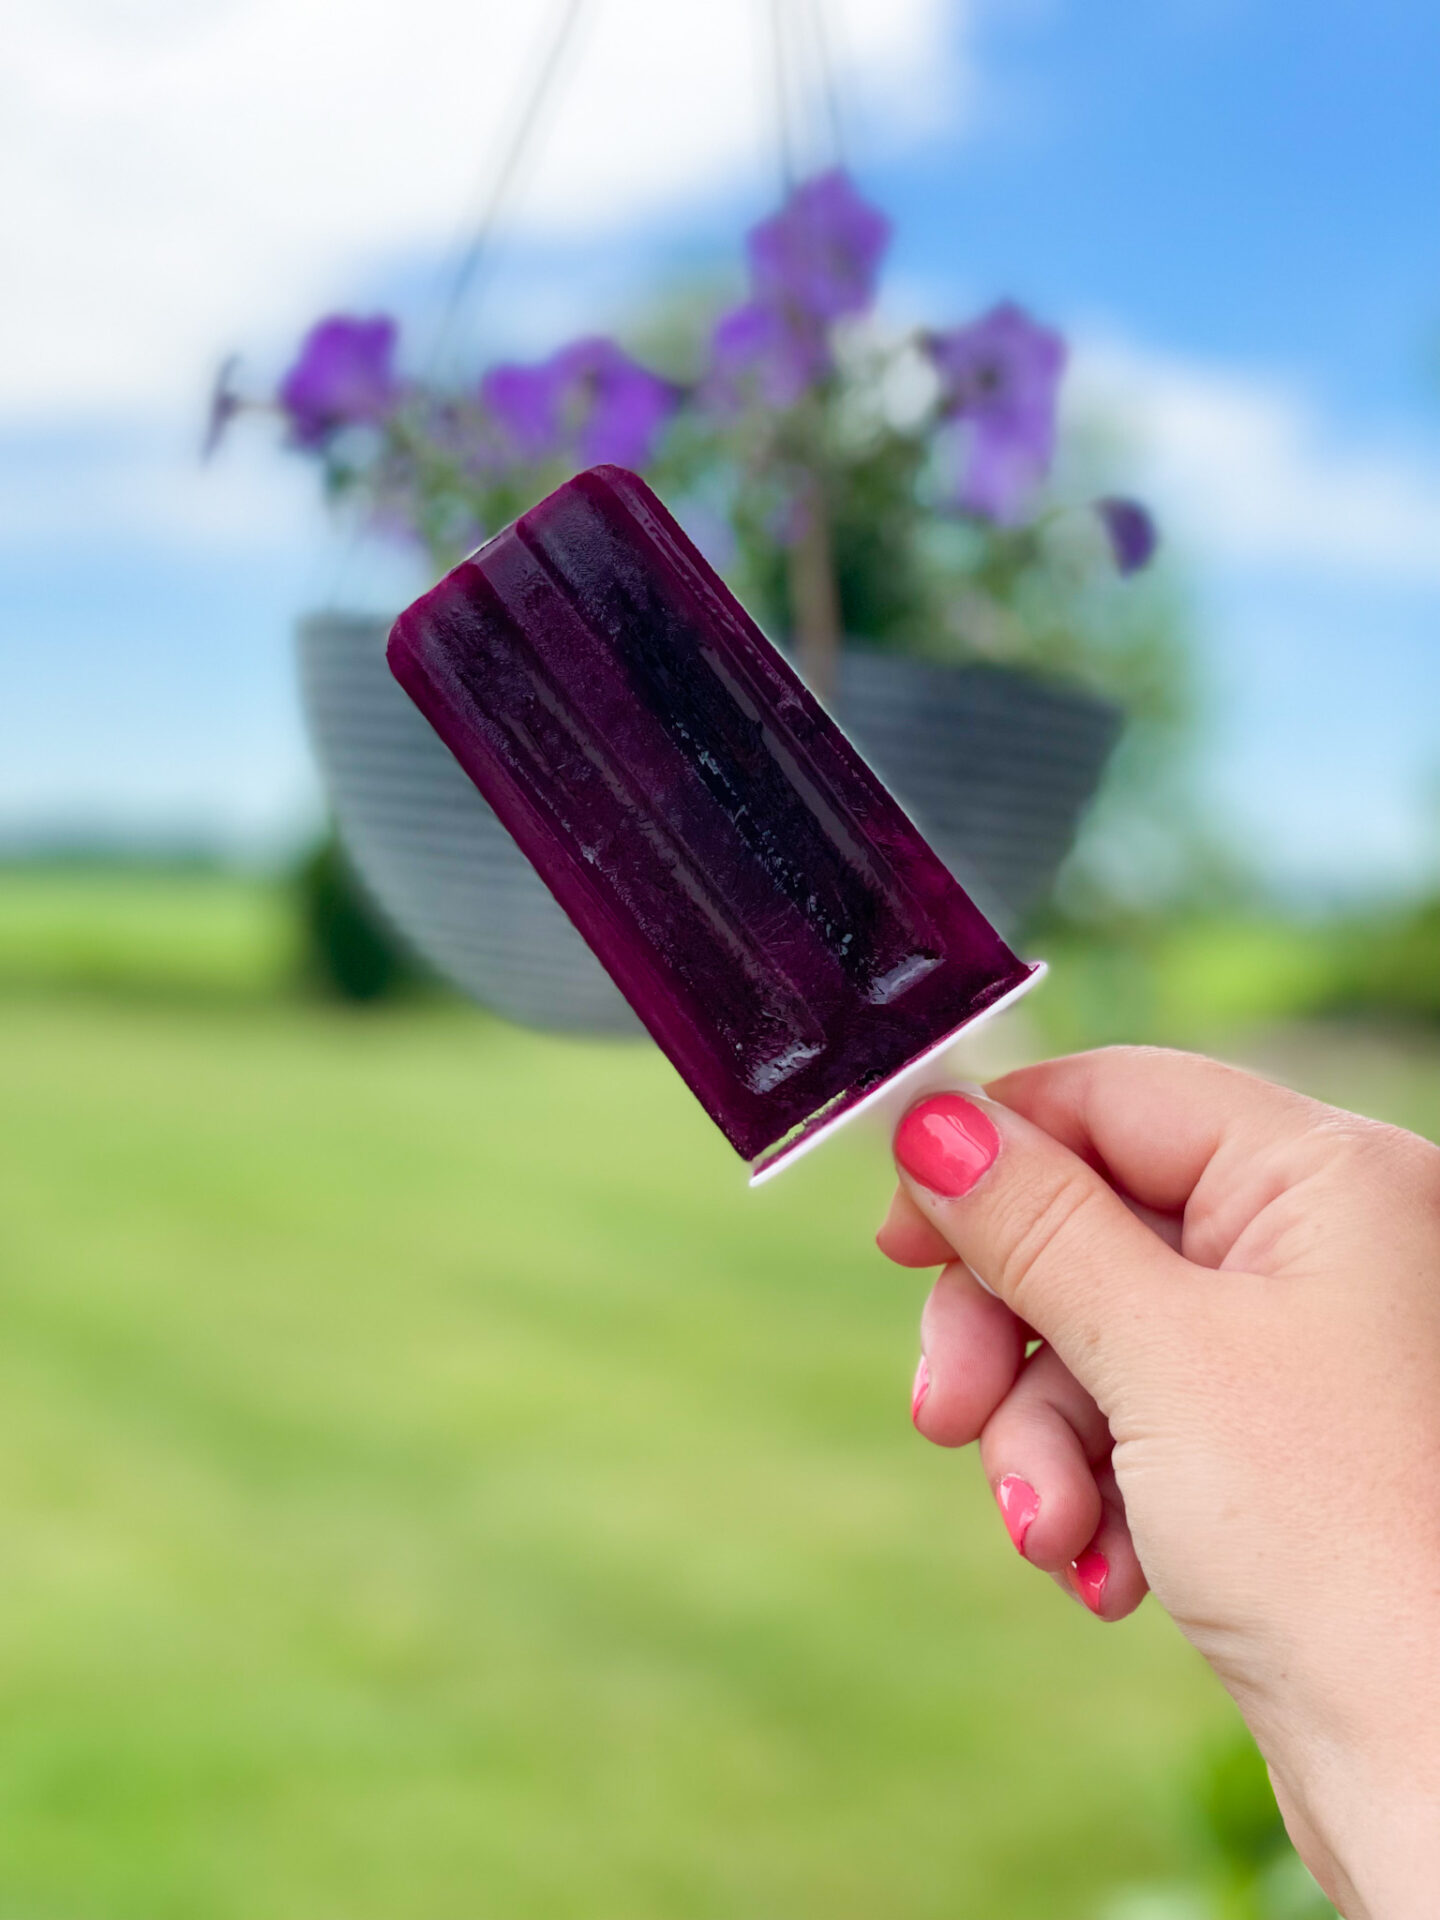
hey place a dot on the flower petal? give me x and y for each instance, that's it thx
(344, 375)
(821, 252)
(1131, 531)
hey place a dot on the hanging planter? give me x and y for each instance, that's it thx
(994, 766)
(430, 851)
(834, 507)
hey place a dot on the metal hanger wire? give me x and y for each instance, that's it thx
(802, 71)
(555, 46)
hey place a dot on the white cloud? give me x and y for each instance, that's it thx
(1247, 467)
(200, 171)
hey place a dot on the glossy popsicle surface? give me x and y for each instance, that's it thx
(769, 911)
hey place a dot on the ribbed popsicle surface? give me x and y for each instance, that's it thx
(769, 911)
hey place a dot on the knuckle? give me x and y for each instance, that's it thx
(1387, 1154)
(1039, 1240)
(1421, 1170)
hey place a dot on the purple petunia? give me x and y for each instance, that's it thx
(1001, 375)
(345, 375)
(523, 403)
(821, 252)
(1130, 530)
(812, 263)
(590, 396)
(611, 408)
(778, 353)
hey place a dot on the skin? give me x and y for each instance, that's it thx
(1236, 1403)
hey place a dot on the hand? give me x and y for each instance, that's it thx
(1236, 1403)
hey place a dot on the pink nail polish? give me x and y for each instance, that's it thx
(1019, 1504)
(920, 1388)
(946, 1143)
(1091, 1572)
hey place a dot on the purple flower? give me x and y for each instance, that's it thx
(810, 264)
(225, 403)
(590, 396)
(610, 407)
(344, 375)
(1001, 375)
(776, 353)
(821, 252)
(1131, 531)
(524, 404)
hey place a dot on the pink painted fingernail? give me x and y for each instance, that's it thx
(946, 1143)
(1019, 1504)
(920, 1388)
(1091, 1572)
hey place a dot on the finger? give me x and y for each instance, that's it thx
(1170, 1227)
(907, 1237)
(1155, 1121)
(1040, 1450)
(971, 1349)
(1042, 1228)
(1107, 1577)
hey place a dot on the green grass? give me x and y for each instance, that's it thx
(1182, 984)
(433, 1487)
(144, 934)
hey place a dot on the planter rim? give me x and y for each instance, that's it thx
(994, 765)
(1059, 686)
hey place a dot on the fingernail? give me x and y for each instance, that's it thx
(1091, 1572)
(1019, 1504)
(946, 1143)
(920, 1388)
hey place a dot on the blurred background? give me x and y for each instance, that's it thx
(431, 1483)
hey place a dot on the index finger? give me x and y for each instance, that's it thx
(1153, 1120)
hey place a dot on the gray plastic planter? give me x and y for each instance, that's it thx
(996, 768)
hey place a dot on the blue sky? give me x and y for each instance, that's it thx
(1255, 182)
(1230, 209)
(1252, 189)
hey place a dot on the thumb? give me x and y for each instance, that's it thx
(1040, 1227)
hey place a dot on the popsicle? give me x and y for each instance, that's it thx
(767, 908)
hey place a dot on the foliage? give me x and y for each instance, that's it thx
(1237, 1806)
(1183, 978)
(351, 952)
(1249, 1870)
(882, 486)
(144, 931)
(1391, 966)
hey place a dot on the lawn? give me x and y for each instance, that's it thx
(433, 1486)
(146, 934)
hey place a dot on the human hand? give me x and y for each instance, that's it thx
(1237, 1403)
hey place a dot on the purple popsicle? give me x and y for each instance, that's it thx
(768, 910)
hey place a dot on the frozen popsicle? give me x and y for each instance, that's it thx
(769, 911)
